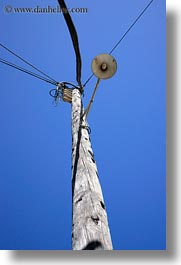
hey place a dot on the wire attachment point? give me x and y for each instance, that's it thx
(87, 128)
(56, 93)
(63, 91)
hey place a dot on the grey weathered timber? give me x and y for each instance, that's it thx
(90, 230)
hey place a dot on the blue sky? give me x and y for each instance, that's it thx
(127, 120)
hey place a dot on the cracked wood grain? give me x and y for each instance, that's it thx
(90, 230)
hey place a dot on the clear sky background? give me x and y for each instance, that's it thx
(127, 122)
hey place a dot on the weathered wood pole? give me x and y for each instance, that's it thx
(90, 230)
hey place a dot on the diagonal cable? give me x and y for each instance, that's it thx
(28, 72)
(124, 35)
(74, 38)
(132, 25)
(19, 57)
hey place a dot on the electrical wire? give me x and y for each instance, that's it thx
(74, 37)
(124, 35)
(132, 25)
(28, 72)
(19, 57)
(88, 80)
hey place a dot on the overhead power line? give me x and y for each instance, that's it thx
(132, 25)
(19, 57)
(88, 80)
(74, 37)
(124, 35)
(28, 72)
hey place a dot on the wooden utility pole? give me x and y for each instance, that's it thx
(90, 230)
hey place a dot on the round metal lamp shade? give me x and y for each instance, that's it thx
(104, 66)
